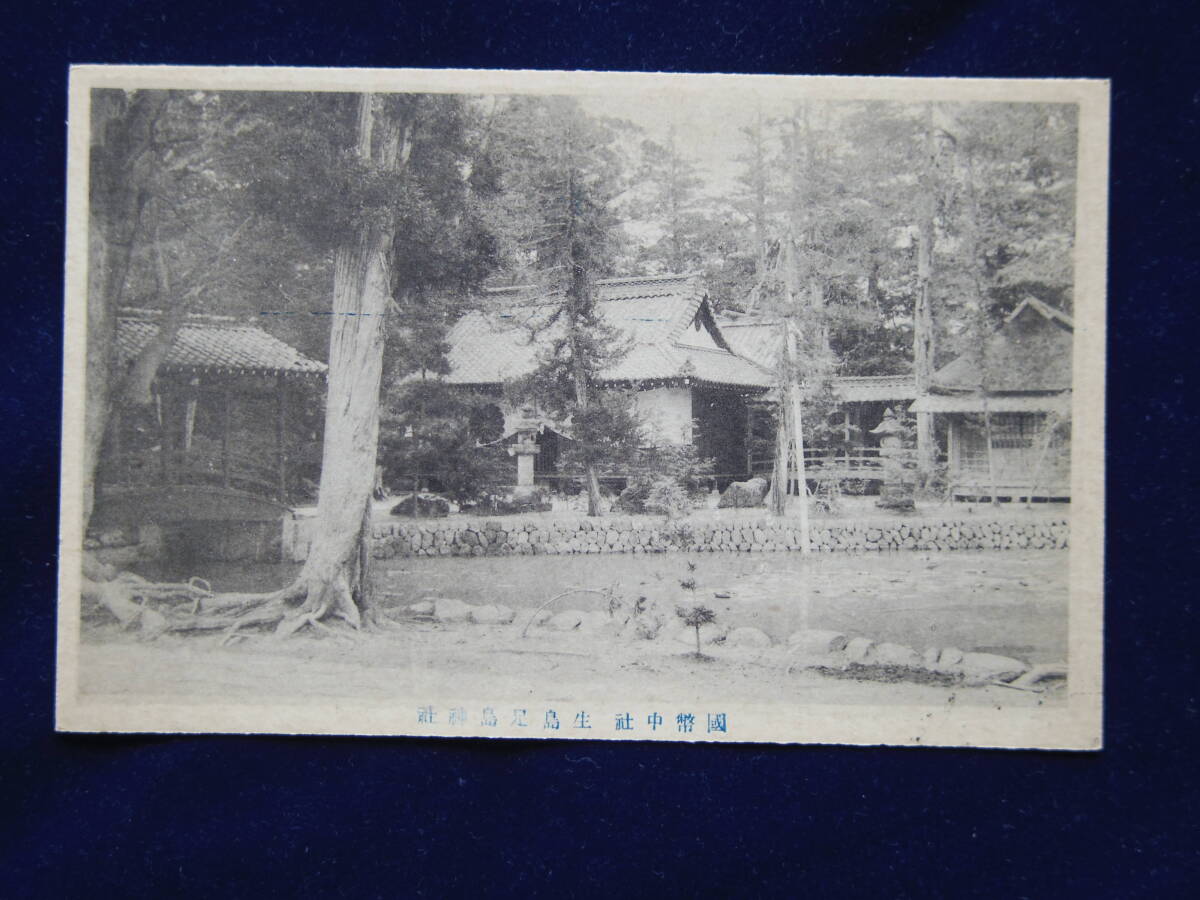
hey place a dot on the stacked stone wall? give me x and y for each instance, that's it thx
(501, 537)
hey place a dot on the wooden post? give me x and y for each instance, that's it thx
(797, 440)
(164, 440)
(280, 428)
(226, 427)
(116, 425)
(1047, 439)
(749, 439)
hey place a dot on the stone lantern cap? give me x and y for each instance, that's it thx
(890, 426)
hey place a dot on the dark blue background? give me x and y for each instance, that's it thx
(268, 816)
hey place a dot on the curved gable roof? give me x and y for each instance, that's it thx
(651, 313)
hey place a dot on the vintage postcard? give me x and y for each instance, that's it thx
(584, 405)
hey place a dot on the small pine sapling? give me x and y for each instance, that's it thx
(695, 614)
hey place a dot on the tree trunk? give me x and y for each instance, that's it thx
(779, 476)
(923, 349)
(121, 131)
(334, 575)
(582, 397)
(334, 580)
(797, 440)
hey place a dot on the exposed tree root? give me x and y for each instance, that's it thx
(192, 606)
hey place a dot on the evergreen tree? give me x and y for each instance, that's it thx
(562, 178)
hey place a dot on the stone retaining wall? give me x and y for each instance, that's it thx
(497, 537)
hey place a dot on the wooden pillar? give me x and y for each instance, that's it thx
(749, 438)
(280, 432)
(226, 427)
(164, 441)
(117, 426)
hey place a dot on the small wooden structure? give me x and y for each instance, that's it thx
(1008, 409)
(214, 445)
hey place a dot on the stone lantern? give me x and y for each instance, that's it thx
(890, 431)
(525, 426)
(898, 488)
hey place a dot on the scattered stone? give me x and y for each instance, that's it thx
(858, 649)
(1040, 673)
(96, 570)
(747, 637)
(448, 609)
(950, 656)
(981, 668)
(817, 642)
(114, 537)
(742, 494)
(887, 654)
(492, 614)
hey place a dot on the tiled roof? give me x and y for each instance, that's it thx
(760, 339)
(652, 315)
(1004, 403)
(1030, 352)
(754, 338)
(213, 344)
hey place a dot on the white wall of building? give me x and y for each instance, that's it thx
(666, 414)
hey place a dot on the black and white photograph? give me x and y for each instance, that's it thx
(584, 406)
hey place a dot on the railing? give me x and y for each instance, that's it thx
(863, 463)
(237, 471)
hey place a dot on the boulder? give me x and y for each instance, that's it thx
(929, 659)
(742, 494)
(448, 609)
(949, 657)
(747, 637)
(887, 654)
(423, 608)
(96, 570)
(982, 668)
(816, 642)
(114, 537)
(859, 649)
(428, 507)
(492, 614)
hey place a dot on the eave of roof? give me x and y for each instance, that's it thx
(213, 345)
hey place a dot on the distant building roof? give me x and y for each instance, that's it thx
(1004, 403)
(213, 344)
(666, 321)
(874, 388)
(760, 339)
(1030, 352)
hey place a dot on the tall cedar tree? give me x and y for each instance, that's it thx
(562, 178)
(369, 189)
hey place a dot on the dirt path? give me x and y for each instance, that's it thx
(477, 661)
